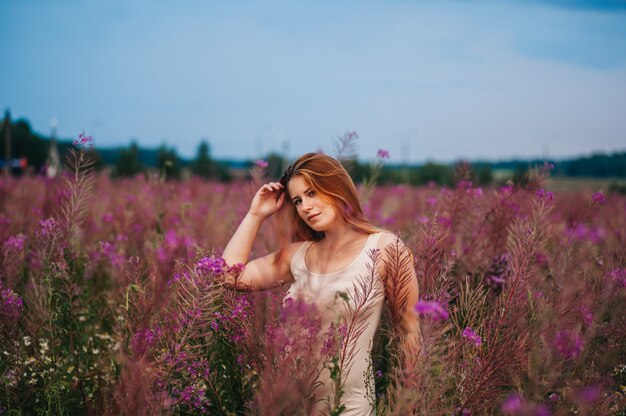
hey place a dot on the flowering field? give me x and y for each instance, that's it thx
(112, 302)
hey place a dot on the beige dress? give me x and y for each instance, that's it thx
(340, 297)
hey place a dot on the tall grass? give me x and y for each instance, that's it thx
(112, 302)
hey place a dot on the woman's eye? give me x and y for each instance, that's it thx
(296, 202)
(311, 194)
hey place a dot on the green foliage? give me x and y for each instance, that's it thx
(203, 166)
(483, 175)
(431, 172)
(128, 163)
(168, 162)
(597, 165)
(276, 165)
(617, 188)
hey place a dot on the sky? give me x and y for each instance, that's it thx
(424, 80)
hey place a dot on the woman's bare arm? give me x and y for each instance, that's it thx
(264, 272)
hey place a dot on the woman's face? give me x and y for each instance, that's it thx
(315, 211)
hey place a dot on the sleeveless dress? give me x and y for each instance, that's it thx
(339, 297)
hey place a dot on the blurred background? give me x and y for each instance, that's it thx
(210, 87)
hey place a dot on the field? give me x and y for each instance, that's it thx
(112, 302)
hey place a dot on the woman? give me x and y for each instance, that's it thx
(332, 250)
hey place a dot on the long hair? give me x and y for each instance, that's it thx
(328, 178)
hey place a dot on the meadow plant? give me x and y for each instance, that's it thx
(115, 304)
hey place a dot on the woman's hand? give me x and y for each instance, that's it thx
(268, 199)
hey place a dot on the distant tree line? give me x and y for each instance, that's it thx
(133, 160)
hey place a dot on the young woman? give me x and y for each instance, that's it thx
(332, 249)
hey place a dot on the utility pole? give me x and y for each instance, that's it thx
(7, 141)
(53, 163)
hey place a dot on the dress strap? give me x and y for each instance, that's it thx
(297, 261)
(372, 241)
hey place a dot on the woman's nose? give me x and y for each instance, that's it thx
(306, 206)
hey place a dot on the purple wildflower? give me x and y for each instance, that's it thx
(568, 344)
(506, 189)
(11, 305)
(618, 276)
(433, 310)
(83, 141)
(472, 336)
(541, 258)
(143, 340)
(210, 266)
(15, 244)
(48, 227)
(542, 410)
(589, 395)
(464, 185)
(383, 154)
(598, 197)
(512, 404)
(542, 194)
(261, 163)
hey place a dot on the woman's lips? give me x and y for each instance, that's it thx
(310, 217)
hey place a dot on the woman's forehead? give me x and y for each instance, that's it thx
(297, 185)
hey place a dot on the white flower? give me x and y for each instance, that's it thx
(27, 341)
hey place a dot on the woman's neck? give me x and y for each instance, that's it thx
(339, 236)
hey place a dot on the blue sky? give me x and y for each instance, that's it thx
(426, 80)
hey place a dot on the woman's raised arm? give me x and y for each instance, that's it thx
(263, 272)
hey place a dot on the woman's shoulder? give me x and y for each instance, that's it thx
(387, 237)
(390, 241)
(292, 249)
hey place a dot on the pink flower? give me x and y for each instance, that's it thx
(432, 310)
(15, 243)
(589, 395)
(11, 305)
(261, 163)
(210, 266)
(512, 404)
(542, 194)
(506, 189)
(48, 227)
(568, 344)
(472, 336)
(383, 154)
(618, 276)
(83, 141)
(599, 198)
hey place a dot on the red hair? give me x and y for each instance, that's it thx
(332, 182)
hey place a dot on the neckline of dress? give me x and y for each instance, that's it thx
(338, 271)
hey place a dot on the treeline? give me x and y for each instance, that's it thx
(133, 160)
